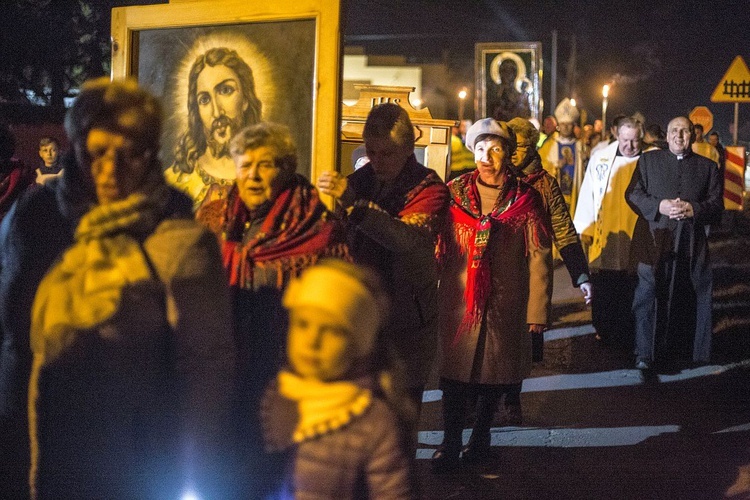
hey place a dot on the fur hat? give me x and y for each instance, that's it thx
(525, 129)
(349, 294)
(565, 112)
(490, 126)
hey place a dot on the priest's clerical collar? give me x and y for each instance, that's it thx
(681, 156)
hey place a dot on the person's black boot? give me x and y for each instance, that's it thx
(478, 448)
(444, 462)
(446, 458)
(512, 405)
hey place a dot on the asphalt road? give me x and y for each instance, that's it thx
(595, 428)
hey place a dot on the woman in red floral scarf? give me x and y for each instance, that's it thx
(494, 259)
(272, 225)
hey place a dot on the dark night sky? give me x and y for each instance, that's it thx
(669, 54)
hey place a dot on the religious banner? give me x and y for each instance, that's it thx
(566, 154)
(734, 177)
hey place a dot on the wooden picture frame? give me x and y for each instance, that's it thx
(492, 99)
(292, 48)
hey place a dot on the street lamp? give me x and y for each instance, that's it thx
(605, 95)
(461, 98)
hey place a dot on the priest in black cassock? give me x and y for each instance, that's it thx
(676, 195)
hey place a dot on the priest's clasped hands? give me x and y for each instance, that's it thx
(676, 209)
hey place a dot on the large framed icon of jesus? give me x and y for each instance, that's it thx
(220, 65)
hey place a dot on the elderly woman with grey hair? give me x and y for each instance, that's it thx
(272, 225)
(494, 260)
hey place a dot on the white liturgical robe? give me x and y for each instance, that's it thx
(602, 211)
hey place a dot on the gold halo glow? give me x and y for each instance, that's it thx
(521, 78)
(265, 89)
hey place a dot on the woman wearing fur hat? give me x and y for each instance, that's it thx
(327, 409)
(527, 165)
(494, 260)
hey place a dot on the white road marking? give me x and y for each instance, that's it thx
(586, 437)
(736, 428)
(598, 380)
(566, 333)
(555, 438)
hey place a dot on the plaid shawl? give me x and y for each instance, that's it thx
(518, 206)
(417, 196)
(295, 233)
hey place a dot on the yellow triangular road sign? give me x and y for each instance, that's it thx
(735, 86)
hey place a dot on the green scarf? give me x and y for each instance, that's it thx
(83, 289)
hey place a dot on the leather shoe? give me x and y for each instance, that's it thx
(443, 463)
(473, 454)
(643, 364)
(477, 450)
(513, 414)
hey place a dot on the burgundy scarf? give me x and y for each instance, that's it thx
(518, 206)
(13, 183)
(295, 233)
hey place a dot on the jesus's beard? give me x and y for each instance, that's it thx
(225, 128)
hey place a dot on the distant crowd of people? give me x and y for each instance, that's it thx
(249, 342)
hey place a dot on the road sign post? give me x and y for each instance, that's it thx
(734, 177)
(703, 116)
(734, 87)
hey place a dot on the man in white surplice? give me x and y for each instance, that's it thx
(606, 223)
